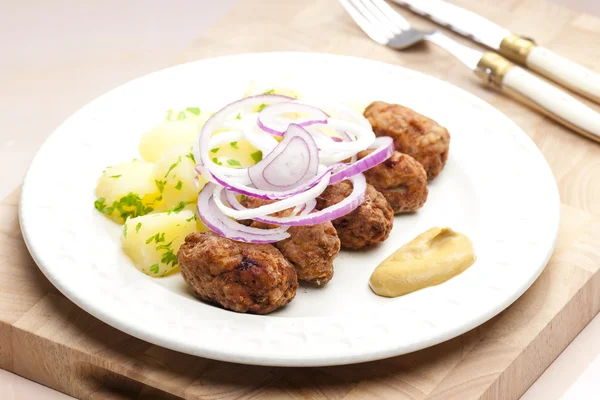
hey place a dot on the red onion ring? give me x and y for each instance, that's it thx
(270, 120)
(294, 161)
(216, 221)
(346, 206)
(217, 119)
(384, 146)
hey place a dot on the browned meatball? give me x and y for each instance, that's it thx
(242, 277)
(365, 227)
(413, 134)
(401, 180)
(311, 249)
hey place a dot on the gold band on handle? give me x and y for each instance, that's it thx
(516, 48)
(492, 68)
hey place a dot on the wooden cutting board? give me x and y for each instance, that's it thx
(46, 338)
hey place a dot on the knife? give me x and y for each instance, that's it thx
(517, 48)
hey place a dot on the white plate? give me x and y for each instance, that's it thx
(496, 188)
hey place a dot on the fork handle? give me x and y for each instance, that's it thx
(539, 95)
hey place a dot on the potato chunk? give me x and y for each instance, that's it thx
(152, 241)
(127, 190)
(165, 136)
(175, 176)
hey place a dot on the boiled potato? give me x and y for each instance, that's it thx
(256, 88)
(127, 190)
(175, 176)
(165, 136)
(152, 241)
(240, 154)
(190, 114)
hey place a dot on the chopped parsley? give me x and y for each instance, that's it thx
(115, 176)
(129, 206)
(179, 207)
(239, 116)
(173, 166)
(179, 185)
(215, 150)
(193, 110)
(169, 258)
(234, 145)
(193, 217)
(169, 115)
(154, 268)
(233, 163)
(257, 156)
(165, 246)
(181, 116)
(158, 238)
(269, 91)
(125, 230)
(160, 185)
(191, 157)
(261, 107)
(216, 161)
(137, 227)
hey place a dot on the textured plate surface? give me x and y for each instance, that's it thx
(496, 188)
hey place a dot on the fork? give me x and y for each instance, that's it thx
(386, 27)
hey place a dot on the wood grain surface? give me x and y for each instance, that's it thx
(46, 338)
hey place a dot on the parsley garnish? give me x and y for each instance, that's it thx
(190, 218)
(169, 258)
(125, 230)
(234, 163)
(215, 150)
(193, 110)
(257, 156)
(160, 185)
(115, 176)
(179, 185)
(234, 145)
(154, 268)
(191, 157)
(165, 246)
(261, 107)
(216, 161)
(156, 238)
(179, 207)
(169, 114)
(181, 116)
(137, 227)
(129, 206)
(173, 166)
(269, 91)
(239, 116)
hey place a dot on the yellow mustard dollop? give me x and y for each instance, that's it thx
(431, 258)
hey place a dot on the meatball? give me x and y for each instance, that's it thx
(242, 277)
(413, 134)
(365, 227)
(311, 249)
(401, 179)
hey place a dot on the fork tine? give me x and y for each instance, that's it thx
(364, 23)
(380, 16)
(392, 14)
(376, 22)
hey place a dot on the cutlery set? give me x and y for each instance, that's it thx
(387, 27)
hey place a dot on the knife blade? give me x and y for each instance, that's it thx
(519, 49)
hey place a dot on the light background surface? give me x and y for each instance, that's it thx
(59, 55)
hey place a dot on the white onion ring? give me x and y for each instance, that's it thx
(271, 121)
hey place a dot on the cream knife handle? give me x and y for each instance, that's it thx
(566, 72)
(552, 102)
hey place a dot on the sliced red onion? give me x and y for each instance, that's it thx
(277, 206)
(206, 166)
(271, 121)
(302, 209)
(346, 206)
(242, 188)
(216, 221)
(294, 161)
(384, 148)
